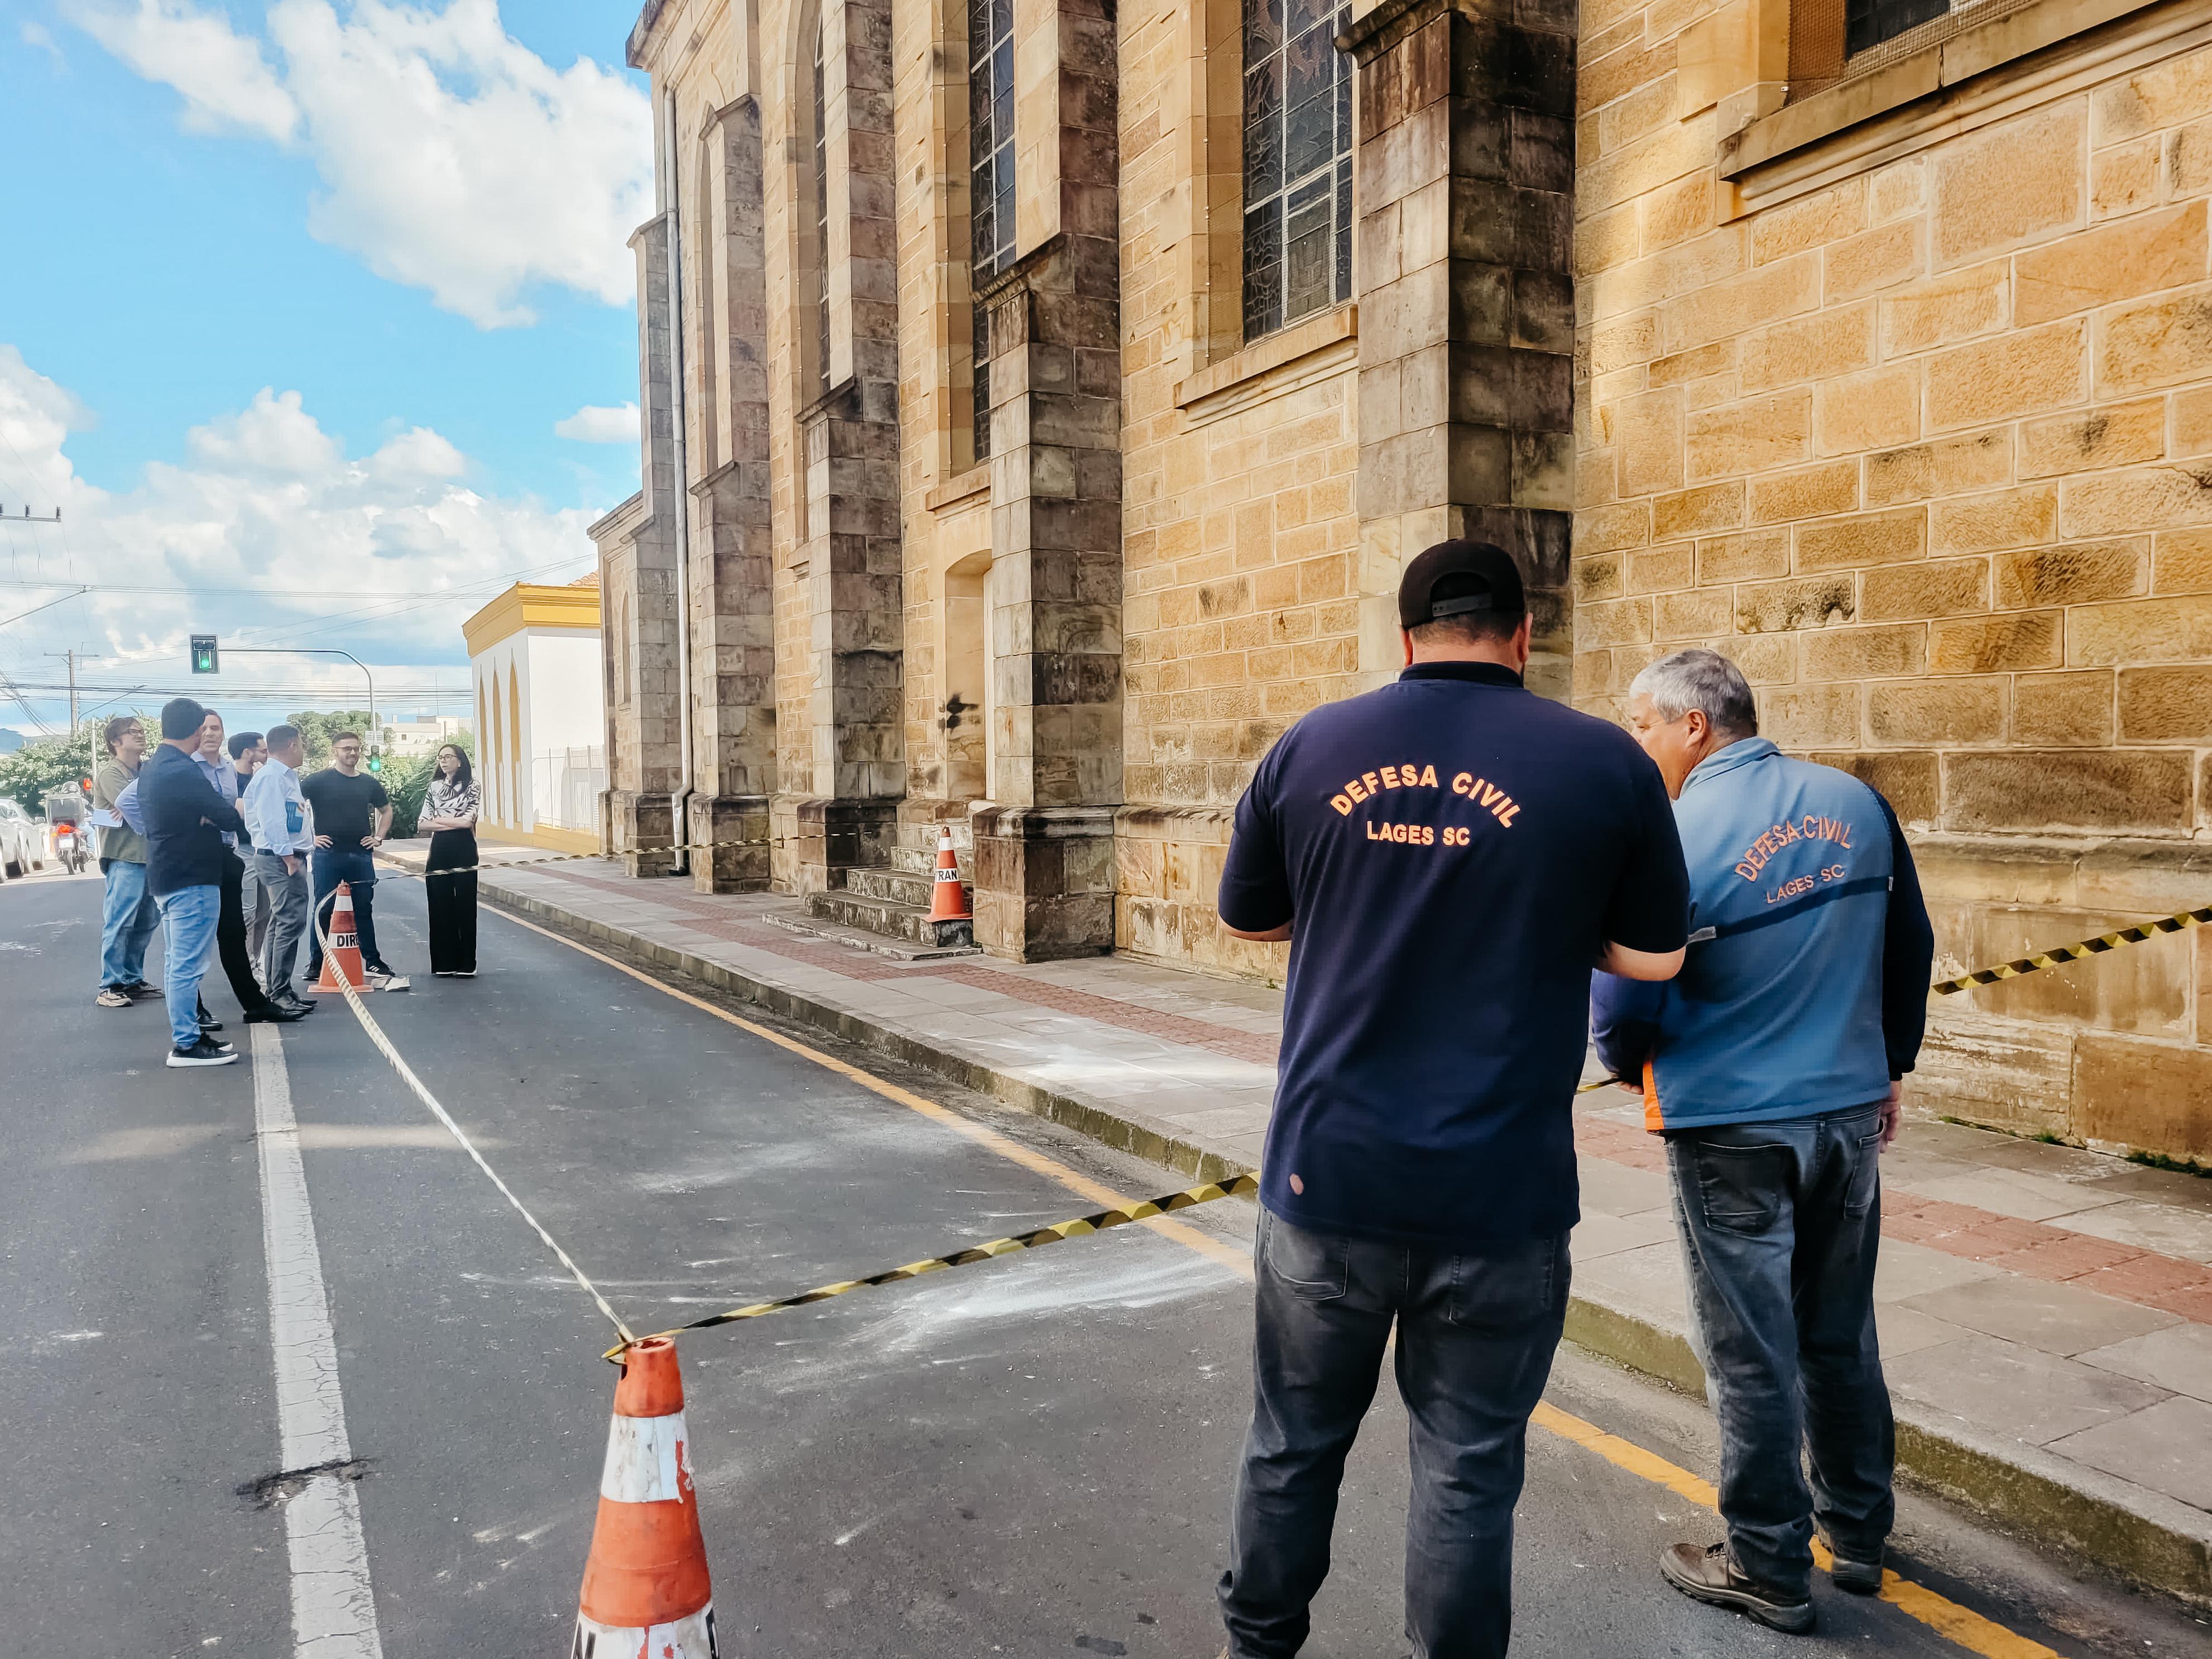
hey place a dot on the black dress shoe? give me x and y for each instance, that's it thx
(275, 1014)
(208, 1023)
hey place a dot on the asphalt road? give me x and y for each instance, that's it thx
(1029, 1457)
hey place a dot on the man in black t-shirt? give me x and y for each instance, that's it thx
(353, 813)
(1449, 857)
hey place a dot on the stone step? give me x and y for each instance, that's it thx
(908, 922)
(897, 886)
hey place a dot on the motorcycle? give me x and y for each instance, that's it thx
(69, 847)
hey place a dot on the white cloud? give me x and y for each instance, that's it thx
(36, 34)
(451, 157)
(266, 500)
(595, 423)
(222, 76)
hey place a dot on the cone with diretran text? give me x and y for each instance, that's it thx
(342, 954)
(645, 1586)
(948, 896)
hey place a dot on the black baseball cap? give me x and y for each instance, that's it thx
(1473, 577)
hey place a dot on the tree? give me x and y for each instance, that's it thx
(316, 727)
(49, 764)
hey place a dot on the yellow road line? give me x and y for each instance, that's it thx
(1945, 1617)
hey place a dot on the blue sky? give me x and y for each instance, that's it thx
(413, 221)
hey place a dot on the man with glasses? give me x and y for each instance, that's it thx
(353, 814)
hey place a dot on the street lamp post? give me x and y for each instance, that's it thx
(375, 731)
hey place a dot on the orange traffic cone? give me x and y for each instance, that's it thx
(948, 897)
(343, 955)
(646, 1591)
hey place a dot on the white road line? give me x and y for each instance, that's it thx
(333, 1606)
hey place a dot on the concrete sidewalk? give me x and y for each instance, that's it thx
(2045, 1313)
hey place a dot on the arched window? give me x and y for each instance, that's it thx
(821, 212)
(1297, 162)
(990, 174)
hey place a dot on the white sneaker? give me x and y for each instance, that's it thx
(382, 982)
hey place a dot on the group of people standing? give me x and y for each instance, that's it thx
(223, 844)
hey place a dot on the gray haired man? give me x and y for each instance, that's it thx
(284, 831)
(1771, 1065)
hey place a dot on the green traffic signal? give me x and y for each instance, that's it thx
(376, 762)
(205, 660)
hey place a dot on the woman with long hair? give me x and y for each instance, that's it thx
(450, 807)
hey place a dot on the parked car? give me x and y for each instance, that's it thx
(23, 848)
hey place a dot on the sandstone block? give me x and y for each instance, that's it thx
(1980, 524)
(1606, 240)
(1699, 363)
(1610, 529)
(1807, 493)
(2043, 790)
(2072, 573)
(2140, 255)
(1956, 305)
(2165, 94)
(1826, 343)
(2177, 629)
(1874, 260)
(1911, 783)
(2016, 182)
(1871, 538)
(1803, 602)
(1752, 435)
(2165, 704)
(1743, 558)
(1677, 212)
(1617, 622)
(1862, 654)
(1896, 190)
(1809, 716)
(1741, 303)
(1651, 442)
(2155, 1097)
(2118, 434)
(1826, 216)
(1951, 712)
(2054, 710)
(1997, 645)
(2188, 159)
(2193, 421)
(1700, 614)
(1597, 576)
(1695, 511)
(1902, 593)
(1660, 569)
(1867, 412)
(1625, 344)
(2157, 342)
(2021, 372)
(1941, 468)
(2141, 498)
(2125, 179)
(2181, 562)
(1763, 659)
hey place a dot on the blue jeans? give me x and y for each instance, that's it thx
(1476, 1331)
(128, 917)
(188, 924)
(354, 865)
(1780, 1223)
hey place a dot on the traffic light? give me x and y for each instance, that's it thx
(376, 762)
(204, 658)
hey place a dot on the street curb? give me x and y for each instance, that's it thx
(2112, 1523)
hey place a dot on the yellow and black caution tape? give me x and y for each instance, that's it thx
(1081, 1226)
(571, 858)
(2059, 956)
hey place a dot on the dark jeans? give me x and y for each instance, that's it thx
(1780, 1223)
(1476, 1330)
(332, 865)
(230, 938)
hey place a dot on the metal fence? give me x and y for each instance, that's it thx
(565, 786)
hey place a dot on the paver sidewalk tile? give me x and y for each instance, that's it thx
(2058, 1319)
(2166, 1447)
(2067, 1258)
(2150, 1226)
(2179, 1358)
(2149, 1277)
(1646, 1282)
(1616, 1189)
(2015, 1392)
(1906, 1270)
(1598, 1235)
(1906, 1330)
(2016, 1193)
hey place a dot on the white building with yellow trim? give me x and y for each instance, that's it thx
(535, 670)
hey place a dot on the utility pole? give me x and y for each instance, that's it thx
(70, 657)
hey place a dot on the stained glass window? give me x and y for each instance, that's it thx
(990, 173)
(1297, 162)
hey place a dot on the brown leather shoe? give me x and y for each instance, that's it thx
(1710, 1574)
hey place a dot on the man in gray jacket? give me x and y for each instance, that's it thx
(282, 828)
(1771, 1065)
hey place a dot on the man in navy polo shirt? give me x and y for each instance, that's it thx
(1448, 856)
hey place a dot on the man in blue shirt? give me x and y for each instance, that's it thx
(259, 1008)
(1447, 856)
(185, 820)
(1771, 1065)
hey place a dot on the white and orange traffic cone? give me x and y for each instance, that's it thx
(646, 1592)
(342, 954)
(948, 896)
